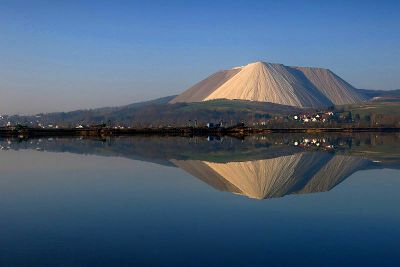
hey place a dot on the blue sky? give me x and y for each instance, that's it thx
(64, 55)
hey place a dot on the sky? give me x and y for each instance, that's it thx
(66, 55)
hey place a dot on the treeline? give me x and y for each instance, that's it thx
(228, 113)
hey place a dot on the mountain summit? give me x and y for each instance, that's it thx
(274, 83)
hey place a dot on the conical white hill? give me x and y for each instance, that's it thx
(266, 82)
(275, 83)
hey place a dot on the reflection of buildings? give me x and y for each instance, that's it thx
(268, 178)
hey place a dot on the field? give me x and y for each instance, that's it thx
(377, 107)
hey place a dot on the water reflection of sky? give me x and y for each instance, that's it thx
(76, 209)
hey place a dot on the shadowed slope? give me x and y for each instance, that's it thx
(333, 173)
(332, 86)
(201, 90)
(201, 171)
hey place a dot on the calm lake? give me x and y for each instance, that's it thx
(274, 200)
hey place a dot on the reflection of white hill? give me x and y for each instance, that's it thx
(276, 177)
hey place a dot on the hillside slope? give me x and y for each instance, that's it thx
(159, 112)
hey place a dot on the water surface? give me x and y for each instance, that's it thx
(276, 200)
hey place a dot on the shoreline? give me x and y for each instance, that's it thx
(178, 131)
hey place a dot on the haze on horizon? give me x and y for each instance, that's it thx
(65, 55)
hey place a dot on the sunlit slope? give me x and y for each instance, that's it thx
(298, 173)
(274, 83)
